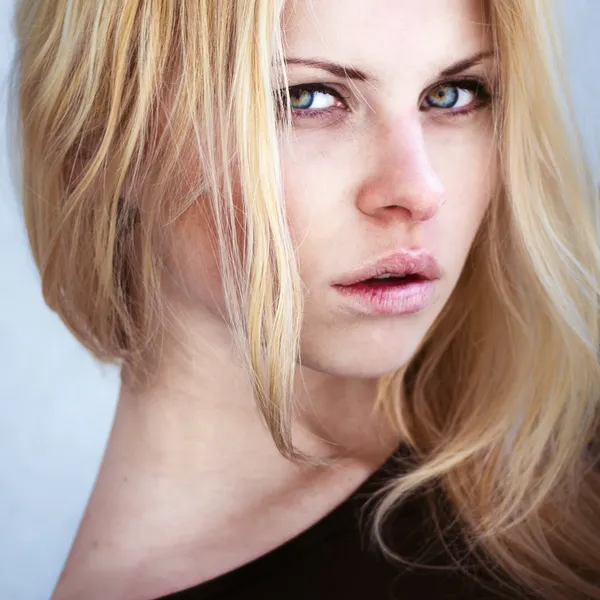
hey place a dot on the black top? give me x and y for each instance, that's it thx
(334, 560)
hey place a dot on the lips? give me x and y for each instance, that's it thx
(399, 268)
(399, 284)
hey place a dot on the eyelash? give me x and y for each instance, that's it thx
(483, 97)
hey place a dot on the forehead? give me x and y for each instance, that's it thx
(381, 34)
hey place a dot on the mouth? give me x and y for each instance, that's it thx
(402, 283)
(392, 279)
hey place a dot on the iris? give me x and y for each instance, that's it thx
(444, 96)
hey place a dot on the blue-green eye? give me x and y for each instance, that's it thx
(457, 95)
(309, 98)
(449, 96)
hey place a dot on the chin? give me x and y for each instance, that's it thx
(368, 357)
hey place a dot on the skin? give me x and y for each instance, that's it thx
(189, 466)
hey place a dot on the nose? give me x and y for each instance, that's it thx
(401, 178)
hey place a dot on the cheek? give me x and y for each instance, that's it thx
(318, 184)
(468, 167)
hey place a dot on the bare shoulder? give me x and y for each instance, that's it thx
(126, 563)
(132, 548)
(132, 540)
(98, 565)
(142, 546)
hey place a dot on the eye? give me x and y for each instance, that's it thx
(310, 99)
(313, 101)
(458, 96)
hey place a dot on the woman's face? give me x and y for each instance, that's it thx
(391, 165)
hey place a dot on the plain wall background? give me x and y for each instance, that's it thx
(56, 403)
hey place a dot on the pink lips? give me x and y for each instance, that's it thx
(409, 289)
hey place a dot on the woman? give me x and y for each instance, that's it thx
(345, 253)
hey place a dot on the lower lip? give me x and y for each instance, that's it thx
(387, 299)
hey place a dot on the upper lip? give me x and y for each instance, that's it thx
(404, 262)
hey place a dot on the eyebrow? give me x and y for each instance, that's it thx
(335, 69)
(467, 63)
(343, 71)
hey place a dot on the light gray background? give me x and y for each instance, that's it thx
(56, 403)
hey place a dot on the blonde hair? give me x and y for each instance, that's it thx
(500, 404)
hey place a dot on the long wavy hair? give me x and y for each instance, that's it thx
(500, 405)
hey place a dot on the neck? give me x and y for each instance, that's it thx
(196, 402)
